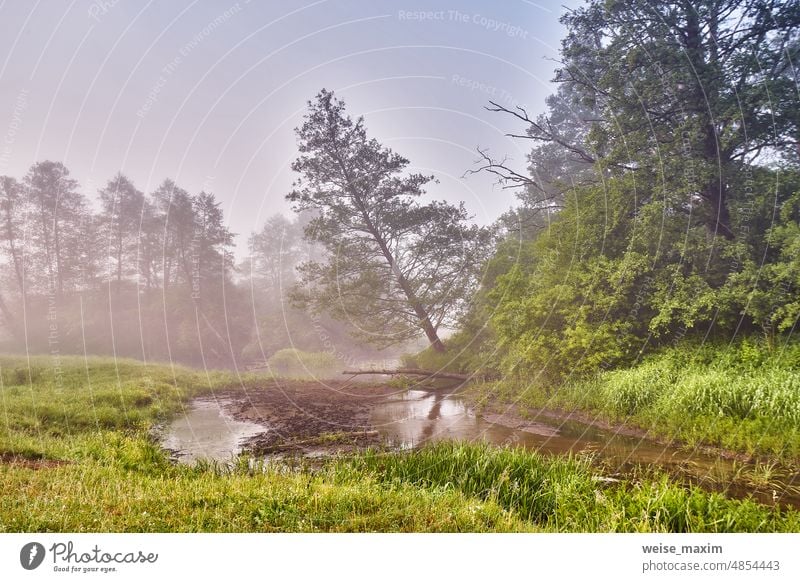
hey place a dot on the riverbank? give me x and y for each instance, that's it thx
(76, 454)
(741, 401)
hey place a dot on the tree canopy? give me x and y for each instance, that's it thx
(667, 162)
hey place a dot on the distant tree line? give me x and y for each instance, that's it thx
(150, 276)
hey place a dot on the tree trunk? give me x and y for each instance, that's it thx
(18, 270)
(166, 266)
(704, 62)
(57, 249)
(719, 218)
(119, 258)
(46, 242)
(419, 310)
(412, 372)
(432, 336)
(424, 319)
(15, 256)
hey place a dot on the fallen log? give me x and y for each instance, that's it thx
(412, 372)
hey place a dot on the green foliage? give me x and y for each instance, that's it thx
(609, 280)
(658, 219)
(666, 82)
(575, 301)
(767, 286)
(469, 350)
(743, 396)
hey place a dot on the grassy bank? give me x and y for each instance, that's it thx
(76, 456)
(743, 397)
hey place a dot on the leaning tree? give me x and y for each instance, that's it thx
(393, 266)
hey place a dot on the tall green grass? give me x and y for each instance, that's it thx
(564, 495)
(744, 397)
(124, 483)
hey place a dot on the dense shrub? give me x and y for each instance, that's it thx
(293, 363)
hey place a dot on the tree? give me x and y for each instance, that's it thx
(393, 266)
(275, 252)
(176, 222)
(684, 93)
(12, 237)
(270, 272)
(150, 246)
(122, 209)
(557, 163)
(58, 219)
(11, 227)
(690, 228)
(211, 255)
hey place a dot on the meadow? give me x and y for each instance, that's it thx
(79, 454)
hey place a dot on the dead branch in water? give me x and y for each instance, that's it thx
(412, 372)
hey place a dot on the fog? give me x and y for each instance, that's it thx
(151, 277)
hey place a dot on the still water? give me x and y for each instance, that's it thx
(205, 431)
(416, 417)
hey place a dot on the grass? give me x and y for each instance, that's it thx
(125, 485)
(95, 418)
(46, 402)
(742, 398)
(564, 495)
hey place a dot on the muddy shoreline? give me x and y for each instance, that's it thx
(313, 419)
(310, 418)
(325, 417)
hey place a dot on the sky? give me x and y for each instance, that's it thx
(208, 93)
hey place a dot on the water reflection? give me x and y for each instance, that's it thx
(205, 431)
(418, 417)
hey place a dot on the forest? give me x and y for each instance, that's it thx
(660, 205)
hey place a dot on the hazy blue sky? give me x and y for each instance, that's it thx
(208, 92)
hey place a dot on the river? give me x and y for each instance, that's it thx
(413, 418)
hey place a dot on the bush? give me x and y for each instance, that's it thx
(293, 363)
